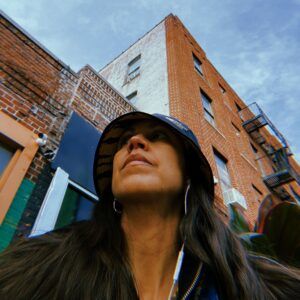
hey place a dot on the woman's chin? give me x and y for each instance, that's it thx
(134, 193)
(145, 193)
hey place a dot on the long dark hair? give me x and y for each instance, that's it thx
(239, 274)
(89, 260)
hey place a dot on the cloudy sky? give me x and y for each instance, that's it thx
(254, 44)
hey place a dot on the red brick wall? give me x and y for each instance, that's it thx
(96, 100)
(31, 77)
(185, 103)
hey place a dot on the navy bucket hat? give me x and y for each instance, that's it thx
(108, 144)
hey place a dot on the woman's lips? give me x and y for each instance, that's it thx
(136, 159)
(137, 162)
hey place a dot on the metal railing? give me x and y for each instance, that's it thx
(277, 168)
(254, 118)
(283, 172)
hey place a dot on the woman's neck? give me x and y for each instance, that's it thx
(152, 240)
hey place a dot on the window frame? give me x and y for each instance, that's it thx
(197, 64)
(132, 97)
(236, 128)
(237, 107)
(52, 203)
(205, 99)
(9, 150)
(257, 192)
(254, 149)
(223, 184)
(222, 89)
(131, 74)
(24, 141)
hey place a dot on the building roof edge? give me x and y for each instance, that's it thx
(35, 41)
(170, 14)
(112, 87)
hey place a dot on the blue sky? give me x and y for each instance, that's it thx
(254, 44)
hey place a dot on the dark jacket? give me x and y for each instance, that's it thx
(196, 282)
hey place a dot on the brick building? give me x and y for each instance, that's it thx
(40, 96)
(167, 71)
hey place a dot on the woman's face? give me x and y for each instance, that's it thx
(148, 163)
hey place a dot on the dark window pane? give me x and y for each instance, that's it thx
(5, 156)
(253, 148)
(223, 173)
(84, 209)
(223, 91)
(258, 194)
(206, 103)
(134, 67)
(238, 107)
(208, 112)
(197, 65)
(132, 97)
(75, 207)
(209, 118)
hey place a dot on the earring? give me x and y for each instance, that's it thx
(117, 206)
(186, 196)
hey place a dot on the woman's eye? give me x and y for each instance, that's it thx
(123, 140)
(158, 135)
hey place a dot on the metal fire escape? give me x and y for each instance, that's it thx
(254, 119)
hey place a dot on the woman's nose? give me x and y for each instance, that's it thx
(136, 142)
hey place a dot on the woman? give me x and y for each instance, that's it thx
(154, 233)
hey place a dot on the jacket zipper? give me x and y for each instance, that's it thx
(195, 280)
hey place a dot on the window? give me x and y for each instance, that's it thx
(225, 97)
(75, 207)
(134, 67)
(17, 149)
(223, 91)
(65, 202)
(253, 148)
(132, 97)
(208, 112)
(6, 154)
(258, 194)
(296, 195)
(197, 65)
(236, 128)
(258, 160)
(238, 107)
(223, 172)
